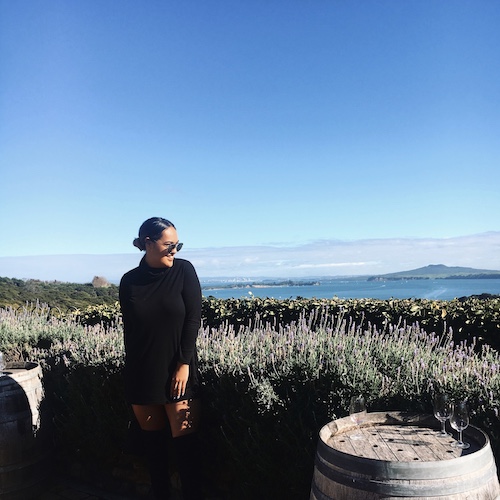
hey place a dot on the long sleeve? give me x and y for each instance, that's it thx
(191, 294)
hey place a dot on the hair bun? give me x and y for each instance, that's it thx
(137, 243)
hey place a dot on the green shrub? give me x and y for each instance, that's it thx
(106, 314)
(470, 317)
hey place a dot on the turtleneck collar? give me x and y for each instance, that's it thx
(152, 271)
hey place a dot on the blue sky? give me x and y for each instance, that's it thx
(273, 125)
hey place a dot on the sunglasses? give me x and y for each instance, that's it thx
(174, 246)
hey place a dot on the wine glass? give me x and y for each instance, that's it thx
(442, 411)
(357, 412)
(459, 421)
(2, 364)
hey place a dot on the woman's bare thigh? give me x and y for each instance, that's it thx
(150, 417)
(184, 416)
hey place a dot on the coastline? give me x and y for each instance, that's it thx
(435, 289)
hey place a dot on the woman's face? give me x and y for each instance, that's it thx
(157, 252)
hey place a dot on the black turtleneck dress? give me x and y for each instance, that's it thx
(161, 311)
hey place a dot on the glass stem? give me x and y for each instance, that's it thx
(443, 428)
(460, 436)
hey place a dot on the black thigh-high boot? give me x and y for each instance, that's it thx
(188, 454)
(156, 454)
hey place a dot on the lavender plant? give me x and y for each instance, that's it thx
(269, 386)
(295, 378)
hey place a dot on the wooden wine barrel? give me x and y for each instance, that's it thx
(401, 457)
(25, 446)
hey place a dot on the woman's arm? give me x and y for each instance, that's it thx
(191, 295)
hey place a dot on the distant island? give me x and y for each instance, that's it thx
(259, 284)
(438, 271)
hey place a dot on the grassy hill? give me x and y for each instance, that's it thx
(439, 271)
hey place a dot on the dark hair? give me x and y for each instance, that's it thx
(152, 229)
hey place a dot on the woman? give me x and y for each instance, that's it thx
(161, 308)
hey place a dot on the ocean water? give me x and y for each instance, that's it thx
(440, 289)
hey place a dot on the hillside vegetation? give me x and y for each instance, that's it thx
(58, 295)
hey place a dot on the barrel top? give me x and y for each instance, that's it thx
(398, 437)
(17, 367)
(20, 373)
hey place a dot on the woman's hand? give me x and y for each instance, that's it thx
(179, 381)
